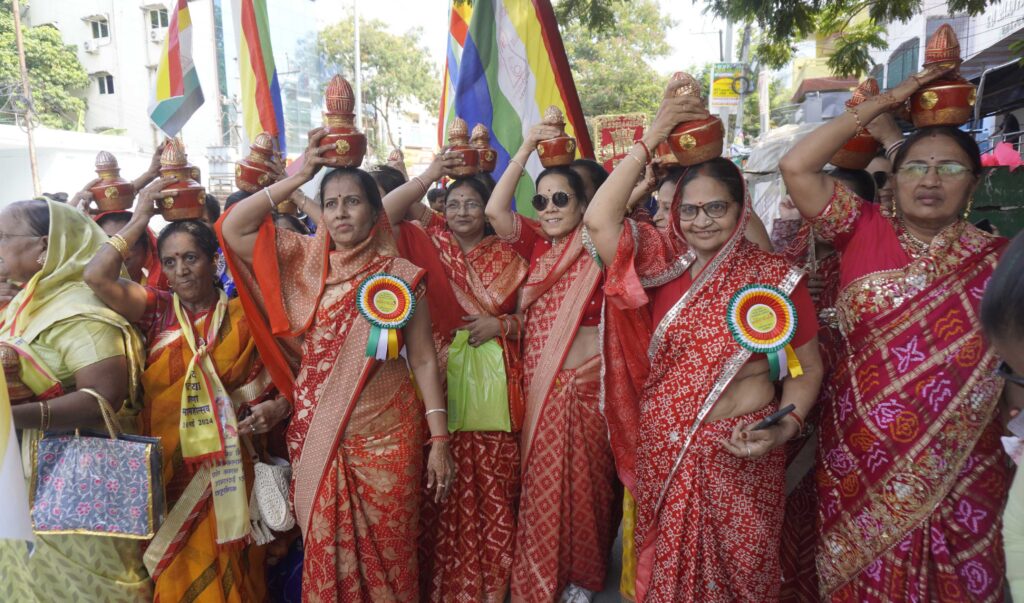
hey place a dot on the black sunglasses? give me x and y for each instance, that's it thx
(560, 199)
(1004, 371)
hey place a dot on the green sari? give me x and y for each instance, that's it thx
(58, 326)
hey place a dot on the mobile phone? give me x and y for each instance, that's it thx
(774, 418)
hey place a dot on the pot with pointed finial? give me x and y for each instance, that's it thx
(254, 173)
(458, 144)
(481, 141)
(188, 204)
(948, 101)
(348, 143)
(696, 141)
(113, 193)
(858, 152)
(560, 150)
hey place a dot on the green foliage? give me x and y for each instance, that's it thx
(396, 69)
(610, 66)
(782, 24)
(54, 71)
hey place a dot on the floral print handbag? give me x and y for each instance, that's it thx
(91, 483)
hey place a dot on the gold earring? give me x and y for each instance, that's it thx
(42, 259)
(970, 204)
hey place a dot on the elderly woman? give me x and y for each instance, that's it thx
(358, 426)
(188, 554)
(467, 548)
(708, 485)
(911, 478)
(70, 351)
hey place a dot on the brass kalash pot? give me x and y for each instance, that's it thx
(948, 101)
(481, 141)
(188, 204)
(458, 145)
(254, 173)
(697, 141)
(560, 150)
(113, 193)
(858, 152)
(349, 144)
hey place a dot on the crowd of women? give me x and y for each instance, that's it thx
(637, 386)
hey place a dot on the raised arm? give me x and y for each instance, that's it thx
(499, 207)
(152, 172)
(241, 225)
(103, 273)
(404, 200)
(607, 210)
(801, 167)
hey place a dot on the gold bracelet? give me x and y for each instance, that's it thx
(273, 206)
(856, 116)
(636, 159)
(522, 167)
(44, 415)
(120, 244)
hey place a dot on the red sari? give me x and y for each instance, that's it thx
(707, 522)
(911, 477)
(564, 532)
(356, 432)
(466, 548)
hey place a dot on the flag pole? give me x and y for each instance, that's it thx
(27, 90)
(358, 70)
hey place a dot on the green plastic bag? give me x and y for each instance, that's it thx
(477, 386)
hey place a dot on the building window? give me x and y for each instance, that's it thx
(100, 29)
(158, 18)
(903, 62)
(106, 83)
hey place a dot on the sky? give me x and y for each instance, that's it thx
(694, 39)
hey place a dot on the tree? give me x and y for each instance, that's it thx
(54, 72)
(609, 65)
(782, 24)
(395, 68)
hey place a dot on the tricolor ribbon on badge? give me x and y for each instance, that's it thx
(762, 319)
(388, 303)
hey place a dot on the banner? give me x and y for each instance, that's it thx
(726, 82)
(616, 135)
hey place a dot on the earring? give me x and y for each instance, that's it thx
(42, 259)
(970, 204)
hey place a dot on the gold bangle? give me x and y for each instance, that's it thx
(44, 415)
(856, 116)
(270, 198)
(636, 159)
(522, 168)
(422, 185)
(120, 244)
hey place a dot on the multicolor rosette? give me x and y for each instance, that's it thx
(762, 319)
(388, 303)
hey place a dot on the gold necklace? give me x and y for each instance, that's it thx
(913, 245)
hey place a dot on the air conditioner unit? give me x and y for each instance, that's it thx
(91, 46)
(157, 35)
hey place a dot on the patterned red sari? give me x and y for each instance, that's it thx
(356, 432)
(707, 522)
(564, 532)
(911, 477)
(466, 547)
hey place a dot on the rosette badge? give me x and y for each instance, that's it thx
(560, 150)
(112, 193)
(188, 203)
(762, 320)
(348, 143)
(697, 141)
(948, 101)
(858, 152)
(387, 303)
(458, 145)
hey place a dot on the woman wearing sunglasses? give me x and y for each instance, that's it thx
(708, 486)
(565, 526)
(466, 544)
(911, 478)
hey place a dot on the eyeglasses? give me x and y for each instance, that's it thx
(946, 171)
(714, 209)
(455, 207)
(560, 199)
(1004, 371)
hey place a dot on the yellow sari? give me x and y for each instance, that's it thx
(57, 326)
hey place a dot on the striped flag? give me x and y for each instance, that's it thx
(14, 502)
(178, 93)
(513, 67)
(261, 90)
(458, 26)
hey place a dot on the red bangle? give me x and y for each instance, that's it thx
(647, 150)
(799, 421)
(440, 438)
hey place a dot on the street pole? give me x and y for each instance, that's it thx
(358, 70)
(27, 90)
(744, 57)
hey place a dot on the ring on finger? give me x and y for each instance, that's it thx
(747, 446)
